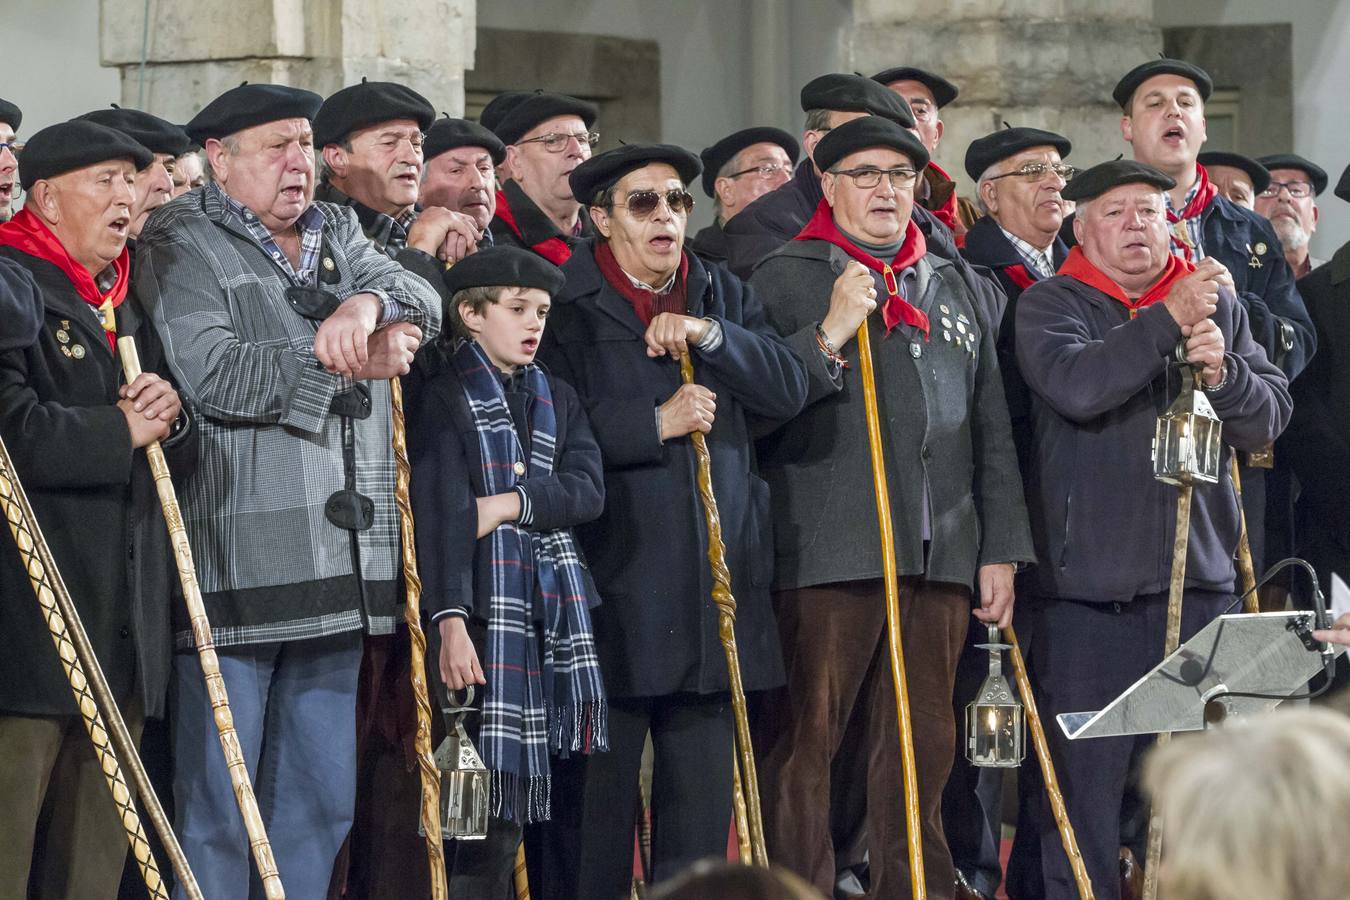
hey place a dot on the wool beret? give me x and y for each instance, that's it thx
(1343, 186)
(872, 131)
(998, 146)
(72, 145)
(603, 170)
(725, 150)
(155, 134)
(944, 91)
(447, 134)
(367, 103)
(854, 93)
(1258, 173)
(1126, 87)
(1104, 176)
(499, 106)
(504, 267)
(526, 112)
(1316, 174)
(10, 113)
(248, 105)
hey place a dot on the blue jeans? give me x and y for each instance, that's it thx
(294, 708)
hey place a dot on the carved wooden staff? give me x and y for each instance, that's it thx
(412, 616)
(883, 498)
(749, 819)
(1247, 572)
(1052, 791)
(92, 695)
(206, 650)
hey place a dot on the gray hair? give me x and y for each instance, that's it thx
(231, 144)
(987, 175)
(818, 119)
(325, 173)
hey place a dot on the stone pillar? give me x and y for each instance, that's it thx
(195, 51)
(1042, 63)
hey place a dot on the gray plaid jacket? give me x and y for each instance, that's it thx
(271, 566)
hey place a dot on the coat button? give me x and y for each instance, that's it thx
(125, 632)
(926, 453)
(131, 551)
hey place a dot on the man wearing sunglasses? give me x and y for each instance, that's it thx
(956, 502)
(546, 136)
(737, 170)
(636, 301)
(1289, 202)
(10, 119)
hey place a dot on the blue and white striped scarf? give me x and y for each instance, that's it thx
(531, 706)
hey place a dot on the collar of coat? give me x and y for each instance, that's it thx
(586, 285)
(986, 245)
(534, 224)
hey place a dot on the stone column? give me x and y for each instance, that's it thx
(194, 51)
(1042, 63)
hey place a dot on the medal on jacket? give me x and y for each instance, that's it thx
(1255, 260)
(72, 351)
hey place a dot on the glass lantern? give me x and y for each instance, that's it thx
(995, 719)
(466, 784)
(1188, 446)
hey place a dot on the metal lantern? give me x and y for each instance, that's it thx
(1188, 446)
(466, 785)
(995, 719)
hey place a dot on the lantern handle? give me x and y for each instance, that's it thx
(451, 705)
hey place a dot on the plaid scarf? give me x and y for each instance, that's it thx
(530, 706)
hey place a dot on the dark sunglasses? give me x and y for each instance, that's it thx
(643, 203)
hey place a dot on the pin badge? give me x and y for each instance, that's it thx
(946, 322)
(77, 351)
(63, 336)
(946, 335)
(915, 350)
(328, 264)
(519, 468)
(944, 309)
(961, 327)
(958, 342)
(1261, 247)
(1255, 261)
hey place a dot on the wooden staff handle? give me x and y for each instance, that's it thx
(1246, 571)
(412, 617)
(520, 876)
(1055, 795)
(746, 778)
(206, 650)
(93, 698)
(883, 499)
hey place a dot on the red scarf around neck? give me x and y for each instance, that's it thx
(947, 213)
(1077, 266)
(647, 304)
(1204, 195)
(895, 309)
(553, 249)
(1019, 275)
(29, 234)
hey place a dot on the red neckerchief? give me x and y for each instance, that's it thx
(947, 213)
(553, 249)
(896, 309)
(1077, 266)
(1019, 275)
(1203, 197)
(647, 304)
(28, 234)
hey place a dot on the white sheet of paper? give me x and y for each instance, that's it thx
(1340, 597)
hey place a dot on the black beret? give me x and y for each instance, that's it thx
(872, 131)
(11, 114)
(722, 152)
(67, 146)
(447, 134)
(359, 105)
(984, 152)
(504, 267)
(1343, 186)
(1315, 173)
(248, 105)
(1258, 174)
(1104, 176)
(944, 91)
(854, 93)
(602, 171)
(155, 134)
(528, 111)
(1126, 87)
(499, 106)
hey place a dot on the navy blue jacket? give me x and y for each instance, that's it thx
(20, 306)
(656, 631)
(1103, 525)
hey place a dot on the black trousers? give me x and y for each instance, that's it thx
(1083, 656)
(691, 789)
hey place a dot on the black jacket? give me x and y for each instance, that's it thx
(944, 423)
(95, 501)
(20, 306)
(656, 630)
(535, 226)
(1099, 380)
(710, 243)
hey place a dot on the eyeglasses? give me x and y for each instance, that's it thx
(870, 176)
(766, 171)
(1038, 171)
(1297, 189)
(556, 142)
(643, 203)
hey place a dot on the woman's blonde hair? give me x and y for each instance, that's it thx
(1256, 810)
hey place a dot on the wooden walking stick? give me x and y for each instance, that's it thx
(1052, 791)
(93, 698)
(412, 616)
(749, 819)
(520, 876)
(1246, 571)
(206, 649)
(883, 498)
